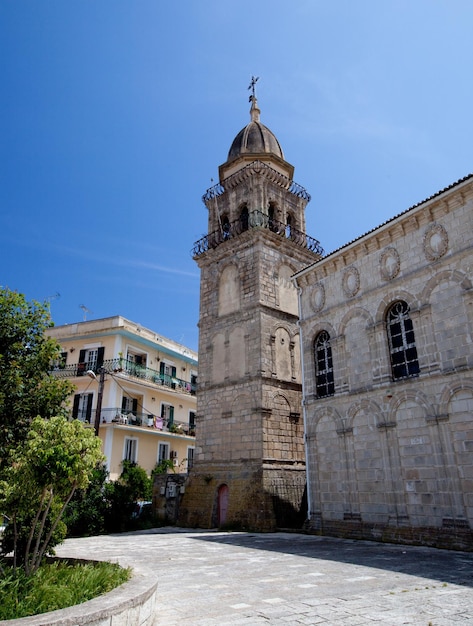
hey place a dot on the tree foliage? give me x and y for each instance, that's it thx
(56, 458)
(27, 389)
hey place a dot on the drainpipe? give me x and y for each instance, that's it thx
(304, 413)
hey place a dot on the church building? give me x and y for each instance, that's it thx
(249, 466)
(387, 339)
(353, 369)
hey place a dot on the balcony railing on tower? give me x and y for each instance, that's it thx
(255, 219)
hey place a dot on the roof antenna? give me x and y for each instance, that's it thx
(50, 298)
(85, 310)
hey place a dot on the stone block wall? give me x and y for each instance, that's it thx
(391, 458)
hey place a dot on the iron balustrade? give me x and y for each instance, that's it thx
(256, 219)
(125, 367)
(116, 415)
(258, 168)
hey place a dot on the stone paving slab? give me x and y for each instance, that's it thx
(218, 578)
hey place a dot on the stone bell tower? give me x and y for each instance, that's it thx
(249, 469)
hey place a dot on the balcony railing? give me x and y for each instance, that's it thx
(256, 219)
(116, 415)
(258, 168)
(124, 367)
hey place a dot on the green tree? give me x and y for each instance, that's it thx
(27, 389)
(138, 483)
(85, 514)
(56, 458)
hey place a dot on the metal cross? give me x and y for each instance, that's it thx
(254, 80)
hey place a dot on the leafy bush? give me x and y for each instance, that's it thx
(55, 586)
(108, 507)
(57, 458)
(86, 512)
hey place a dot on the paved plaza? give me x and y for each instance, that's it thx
(218, 578)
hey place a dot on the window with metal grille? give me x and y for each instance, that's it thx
(190, 457)
(324, 384)
(402, 347)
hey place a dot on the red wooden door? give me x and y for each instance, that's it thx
(222, 504)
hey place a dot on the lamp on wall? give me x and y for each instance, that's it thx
(98, 409)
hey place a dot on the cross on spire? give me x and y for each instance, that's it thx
(254, 80)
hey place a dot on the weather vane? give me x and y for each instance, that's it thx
(254, 80)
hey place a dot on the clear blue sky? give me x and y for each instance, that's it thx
(114, 117)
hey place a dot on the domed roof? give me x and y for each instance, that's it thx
(255, 138)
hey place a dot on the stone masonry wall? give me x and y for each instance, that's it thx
(392, 459)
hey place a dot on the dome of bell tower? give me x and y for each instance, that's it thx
(255, 138)
(255, 142)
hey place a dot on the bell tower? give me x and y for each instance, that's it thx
(249, 468)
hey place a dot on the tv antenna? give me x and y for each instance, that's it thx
(49, 299)
(85, 310)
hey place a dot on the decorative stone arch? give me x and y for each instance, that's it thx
(392, 297)
(416, 396)
(241, 402)
(280, 394)
(327, 470)
(455, 433)
(449, 392)
(282, 325)
(352, 314)
(229, 290)
(216, 406)
(454, 276)
(286, 292)
(281, 348)
(320, 326)
(361, 405)
(327, 411)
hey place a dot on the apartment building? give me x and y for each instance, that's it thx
(136, 387)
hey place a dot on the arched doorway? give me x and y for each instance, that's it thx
(222, 504)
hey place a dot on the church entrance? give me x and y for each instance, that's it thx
(222, 504)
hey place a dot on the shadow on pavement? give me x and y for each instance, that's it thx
(446, 566)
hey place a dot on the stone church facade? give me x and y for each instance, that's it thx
(249, 466)
(386, 328)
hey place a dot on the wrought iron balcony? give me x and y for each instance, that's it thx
(116, 415)
(258, 168)
(255, 219)
(126, 368)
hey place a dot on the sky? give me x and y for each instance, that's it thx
(115, 115)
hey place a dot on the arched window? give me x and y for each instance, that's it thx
(401, 339)
(288, 226)
(244, 219)
(272, 217)
(225, 227)
(324, 385)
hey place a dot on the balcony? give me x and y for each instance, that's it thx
(126, 368)
(255, 219)
(115, 415)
